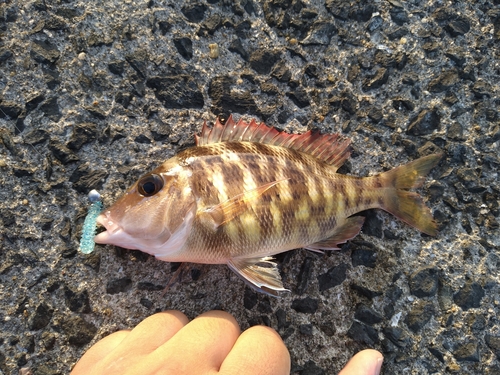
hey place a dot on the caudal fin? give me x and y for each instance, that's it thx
(407, 205)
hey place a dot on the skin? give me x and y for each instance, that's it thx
(167, 343)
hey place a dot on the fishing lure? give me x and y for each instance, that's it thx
(87, 243)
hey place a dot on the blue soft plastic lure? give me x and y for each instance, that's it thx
(87, 242)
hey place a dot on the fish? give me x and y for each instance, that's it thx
(246, 192)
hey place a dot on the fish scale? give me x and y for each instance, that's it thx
(247, 192)
(252, 165)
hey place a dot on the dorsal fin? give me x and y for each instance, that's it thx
(334, 149)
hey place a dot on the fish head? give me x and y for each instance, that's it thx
(154, 215)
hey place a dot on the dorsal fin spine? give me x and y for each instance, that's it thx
(332, 149)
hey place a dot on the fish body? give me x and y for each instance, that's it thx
(247, 192)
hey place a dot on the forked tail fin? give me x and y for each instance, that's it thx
(407, 205)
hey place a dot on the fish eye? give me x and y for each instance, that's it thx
(150, 185)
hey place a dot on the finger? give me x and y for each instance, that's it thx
(366, 362)
(200, 347)
(153, 332)
(144, 339)
(98, 351)
(260, 351)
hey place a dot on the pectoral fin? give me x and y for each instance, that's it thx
(265, 279)
(220, 214)
(344, 232)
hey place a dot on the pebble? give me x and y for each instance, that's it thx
(44, 51)
(367, 315)
(467, 352)
(363, 334)
(424, 282)
(184, 47)
(320, 33)
(419, 315)
(41, 317)
(78, 331)
(443, 81)
(83, 133)
(85, 178)
(375, 81)
(119, 285)
(363, 257)
(304, 275)
(397, 335)
(493, 343)
(182, 93)
(426, 122)
(77, 301)
(469, 296)
(50, 107)
(262, 60)
(194, 12)
(333, 277)
(306, 305)
(214, 50)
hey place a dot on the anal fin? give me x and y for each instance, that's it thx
(343, 233)
(265, 279)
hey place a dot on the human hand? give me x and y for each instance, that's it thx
(166, 343)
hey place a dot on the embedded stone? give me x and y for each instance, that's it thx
(493, 343)
(44, 51)
(78, 331)
(419, 315)
(443, 81)
(376, 80)
(77, 302)
(424, 283)
(61, 152)
(320, 33)
(184, 47)
(82, 133)
(333, 277)
(399, 16)
(363, 257)
(51, 109)
(85, 178)
(194, 12)
(262, 60)
(119, 285)
(424, 123)
(467, 352)
(41, 317)
(10, 109)
(397, 336)
(177, 92)
(367, 315)
(306, 305)
(469, 296)
(304, 275)
(363, 334)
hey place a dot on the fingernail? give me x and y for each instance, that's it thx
(378, 367)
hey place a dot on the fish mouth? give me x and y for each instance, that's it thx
(111, 229)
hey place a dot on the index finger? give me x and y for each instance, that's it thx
(199, 347)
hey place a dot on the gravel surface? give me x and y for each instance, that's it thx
(95, 93)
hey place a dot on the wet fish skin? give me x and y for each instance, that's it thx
(247, 192)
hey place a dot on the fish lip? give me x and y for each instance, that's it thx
(104, 220)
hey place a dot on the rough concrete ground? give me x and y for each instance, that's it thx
(95, 93)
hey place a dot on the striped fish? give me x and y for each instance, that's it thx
(247, 192)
